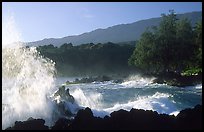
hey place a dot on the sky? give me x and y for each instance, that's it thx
(40, 20)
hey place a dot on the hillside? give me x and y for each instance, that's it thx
(115, 34)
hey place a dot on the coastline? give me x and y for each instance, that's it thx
(169, 79)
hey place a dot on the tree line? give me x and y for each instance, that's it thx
(90, 59)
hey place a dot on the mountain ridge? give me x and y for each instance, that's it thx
(116, 34)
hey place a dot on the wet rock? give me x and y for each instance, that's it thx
(61, 124)
(178, 80)
(31, 124)
(64, 94)
(90, 79)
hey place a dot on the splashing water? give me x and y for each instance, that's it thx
(27, 79)
(157, 102)
(91, 100)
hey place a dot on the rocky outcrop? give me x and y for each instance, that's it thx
(64, 94)
(178, 80)
(63, 100)
(90, 79)
(30, 124)
(188, 119)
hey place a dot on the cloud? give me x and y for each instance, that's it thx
(88, 15)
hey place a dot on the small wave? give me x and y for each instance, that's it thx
(137, 81)
(175, 113)
(199, 86)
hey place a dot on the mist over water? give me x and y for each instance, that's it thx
(27, 79)
(137, 81)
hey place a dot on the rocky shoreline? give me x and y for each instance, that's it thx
(171, 79)
(187, 119)
(92, 79)
(178, 80)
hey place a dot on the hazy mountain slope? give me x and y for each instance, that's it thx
(115, 34)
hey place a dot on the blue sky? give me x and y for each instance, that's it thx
(39, 20)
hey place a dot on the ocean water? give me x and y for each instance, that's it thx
(135, 92)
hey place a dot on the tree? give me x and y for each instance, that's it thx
(66, 46)
(165, 40)
(184, 47)
(144, 54)
(153, 53)
(198, 43)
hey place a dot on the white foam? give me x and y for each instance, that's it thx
(175, 113)
(158, 102)
(199, 86)
(137, 81)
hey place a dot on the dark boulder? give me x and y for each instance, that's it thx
(190, 119)
(61, 124)
(86, 121)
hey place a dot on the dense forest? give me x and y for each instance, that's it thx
(90, 59)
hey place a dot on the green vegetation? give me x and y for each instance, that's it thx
(90, 59)
(172, 47)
